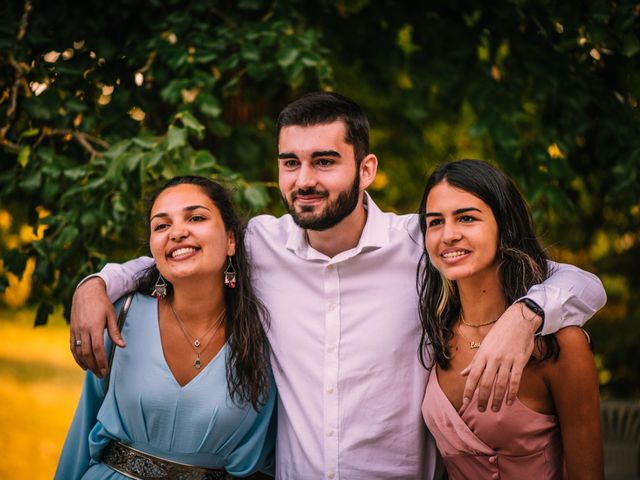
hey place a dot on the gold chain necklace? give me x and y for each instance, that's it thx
(195, 343)
(472, 344)
(476, 325)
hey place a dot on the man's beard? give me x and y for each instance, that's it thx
(332, 214)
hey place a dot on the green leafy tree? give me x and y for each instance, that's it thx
(102, 101)
(99, 103)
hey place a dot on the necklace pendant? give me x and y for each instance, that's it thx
(197, 364)
(474, 345)
(196, 343)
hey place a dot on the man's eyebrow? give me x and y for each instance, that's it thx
(325, 153)
(455, 212)
(318, 154)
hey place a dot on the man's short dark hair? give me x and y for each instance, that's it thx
(321, 108)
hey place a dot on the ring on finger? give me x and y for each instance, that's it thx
(78, 343)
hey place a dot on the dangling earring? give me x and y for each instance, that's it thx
(230, 275)
(160, 288)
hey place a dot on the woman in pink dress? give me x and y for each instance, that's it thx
(483, 255)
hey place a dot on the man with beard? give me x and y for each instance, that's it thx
(338, 277)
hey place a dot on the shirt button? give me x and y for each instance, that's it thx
(331, 268)
(330, 433)
(332, 307)
(331, 475)
(495, 476)
(331, 348)
(493, 459)
(330, 390)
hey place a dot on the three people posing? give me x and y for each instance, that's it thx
(337, 276)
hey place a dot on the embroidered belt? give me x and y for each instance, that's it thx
(138, 465)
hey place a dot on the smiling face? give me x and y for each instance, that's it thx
(188, 238)
(318, 176)
(461, 237)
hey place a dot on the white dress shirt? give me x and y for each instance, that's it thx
(344, 339)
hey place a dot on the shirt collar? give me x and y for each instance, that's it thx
(374, 235)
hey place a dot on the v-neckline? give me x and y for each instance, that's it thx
(473, 441)
(201, 371)
(517, 403)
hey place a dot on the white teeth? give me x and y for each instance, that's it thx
(182, 251)
(455, 254)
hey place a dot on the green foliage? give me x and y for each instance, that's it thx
(100, 102)
(94, 117)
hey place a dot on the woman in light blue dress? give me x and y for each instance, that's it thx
(191, 395)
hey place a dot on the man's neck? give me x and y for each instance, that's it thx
(343, 236)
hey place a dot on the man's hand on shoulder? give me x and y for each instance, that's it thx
(504, 353)
(91, 309)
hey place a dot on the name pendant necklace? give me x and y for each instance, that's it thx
(472, 343)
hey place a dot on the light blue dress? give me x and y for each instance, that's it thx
(146, 408)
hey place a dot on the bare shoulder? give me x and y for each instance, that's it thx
(575, 359)
(570, 340)
(573, 383)
(573, 340)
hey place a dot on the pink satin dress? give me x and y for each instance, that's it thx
(514, 443)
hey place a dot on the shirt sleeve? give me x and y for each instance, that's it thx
(569, 296)
(121, 278)
(248, 239)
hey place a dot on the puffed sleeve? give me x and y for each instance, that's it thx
(75, 458)
(76, 452)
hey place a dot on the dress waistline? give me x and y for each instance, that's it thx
(139, 465)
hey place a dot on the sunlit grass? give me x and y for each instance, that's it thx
(39, 387)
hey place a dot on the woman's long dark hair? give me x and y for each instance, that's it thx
(248, 374)
(523, 261)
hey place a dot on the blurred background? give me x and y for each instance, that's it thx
(100, 101)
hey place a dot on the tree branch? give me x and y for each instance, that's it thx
(20, 69)
(24, 21)
(8, 145)
(11, 109)
(84, 139)
(85, 143)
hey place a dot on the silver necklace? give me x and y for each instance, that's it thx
(195, 343)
